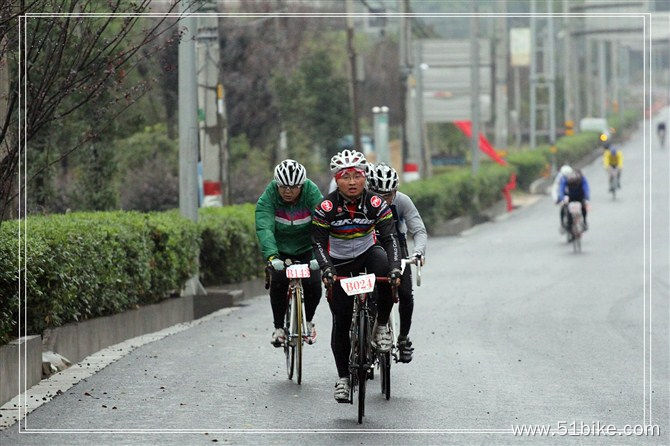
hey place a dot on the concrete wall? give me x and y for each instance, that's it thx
(30, 360)
(78, 340)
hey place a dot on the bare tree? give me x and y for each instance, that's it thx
(66, 61)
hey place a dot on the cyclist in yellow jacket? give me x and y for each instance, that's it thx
(613, 162)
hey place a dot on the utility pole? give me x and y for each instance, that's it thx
(568, 80)
(602, 77)
(517, 106)
(589, 77)
(353, 83)
(403, 52)
(188, 132)
(519, 50)
(423, 151)
(502, 107)
(533, 74)
(616, 49)
(474, 86)
(212, 111)
(551, 79)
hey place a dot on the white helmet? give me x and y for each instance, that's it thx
(566, 170)
(383, 179)
(290, 173)
(346, 159)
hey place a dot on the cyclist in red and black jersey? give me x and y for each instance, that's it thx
(343, 237)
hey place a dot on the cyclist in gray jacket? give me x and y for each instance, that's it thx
(383, 180)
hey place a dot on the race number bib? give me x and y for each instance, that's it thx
(358, 284)
(298, 271)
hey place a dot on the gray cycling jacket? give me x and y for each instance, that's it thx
(410, 221)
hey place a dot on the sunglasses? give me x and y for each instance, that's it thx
(289, 188)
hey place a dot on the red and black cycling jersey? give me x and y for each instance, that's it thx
(343, 230)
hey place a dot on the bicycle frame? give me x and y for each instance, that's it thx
(294, 325)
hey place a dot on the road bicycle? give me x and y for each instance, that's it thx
(384, 358)
(295, 325)
(661, 135)
(577, 228)
(613, 173)
(361, 357)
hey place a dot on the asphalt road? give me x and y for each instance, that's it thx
(510, 327)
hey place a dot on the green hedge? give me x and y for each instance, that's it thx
(529, 165)
(574, 147)
(84, 265)
(532, 164)
(230, 250)
(457, 192)
(489, 183)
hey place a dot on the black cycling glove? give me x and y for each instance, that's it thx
(328, 276)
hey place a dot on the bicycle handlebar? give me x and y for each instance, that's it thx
(418, 263)
(287, 262)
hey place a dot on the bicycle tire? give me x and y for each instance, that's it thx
(382, 375)
(298, 333)
(362, 361)
(289, 350)
(386, 374)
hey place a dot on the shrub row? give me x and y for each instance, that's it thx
(532, 164)
(457, 192)
(84, 265)
(230, 251)
(627, 120)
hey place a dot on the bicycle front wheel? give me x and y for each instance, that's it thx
(362, 363)
(289, 349)
(298, 333)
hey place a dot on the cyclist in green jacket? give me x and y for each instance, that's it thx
(283, 223)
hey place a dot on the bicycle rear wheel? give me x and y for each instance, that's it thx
(385, 373)
(362, 363)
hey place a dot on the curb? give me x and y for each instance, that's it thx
(47, 389)
(456, 226)
(77, 340)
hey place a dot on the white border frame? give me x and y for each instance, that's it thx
(647, 390)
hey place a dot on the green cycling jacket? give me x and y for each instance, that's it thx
(285, 228)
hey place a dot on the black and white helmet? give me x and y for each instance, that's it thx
(290, 173)
(382, 179)
(346, 159)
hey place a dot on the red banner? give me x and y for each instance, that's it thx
(486, 147)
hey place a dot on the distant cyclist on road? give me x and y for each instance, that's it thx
(283, 227)
(613, 162)
(383, 180)
(660, 130)
(343, 235)
(555, 192)
(575, 187)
